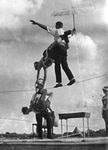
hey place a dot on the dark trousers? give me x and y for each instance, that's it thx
(47, 116)
(106, 126)
(61, 60)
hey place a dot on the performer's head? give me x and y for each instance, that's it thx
(40, 84)
(58, 25)
(105, 89)
(36, 65)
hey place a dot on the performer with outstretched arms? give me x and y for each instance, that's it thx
(59, 46)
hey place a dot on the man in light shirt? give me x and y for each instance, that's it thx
(60, 51)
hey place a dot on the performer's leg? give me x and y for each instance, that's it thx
(106, 124)
(65, 66)
(47, 116)
(39, 125)
(57, 68)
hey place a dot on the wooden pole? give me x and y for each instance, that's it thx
(73, 20)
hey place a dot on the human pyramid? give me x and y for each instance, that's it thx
(56, 53)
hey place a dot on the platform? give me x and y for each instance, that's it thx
(55, 144)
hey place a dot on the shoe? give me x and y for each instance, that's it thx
(72, 81)
(58, 85)
(49, 137)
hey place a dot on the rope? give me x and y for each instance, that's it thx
(93, 78)
(15, 119)
(77, 82)
(15, 91)
(12, 119)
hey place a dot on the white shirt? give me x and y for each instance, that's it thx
(55, 32)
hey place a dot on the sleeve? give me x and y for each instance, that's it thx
(51, 31)
(32, 99)
(44, 93)
(68, 32)
(65, 37)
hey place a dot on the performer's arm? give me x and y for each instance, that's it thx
(44, 93)
(45, 75)
(50, 30)
(37, 77)
(50, 94)
(70, 32)
(38, 70)
(73, 31)
(29, 110)
(39, 24)
(32, 101)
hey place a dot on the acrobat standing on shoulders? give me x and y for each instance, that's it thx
(59, 47)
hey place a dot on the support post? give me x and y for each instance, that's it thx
(67, 127)
(61, 128)
(88, 126)
(83, 128)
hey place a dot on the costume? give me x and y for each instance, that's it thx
(61, 59)
(60, 55)
(61, 38)
(42, 109)
(43, 63)
(48, 118)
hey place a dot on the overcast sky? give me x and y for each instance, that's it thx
(21, 44)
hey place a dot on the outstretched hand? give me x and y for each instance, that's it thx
(33, 22)
(73, 31)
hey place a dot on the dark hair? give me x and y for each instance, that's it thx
(59, 24)
(24, 109)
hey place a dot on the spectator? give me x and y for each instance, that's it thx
(105, 108)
